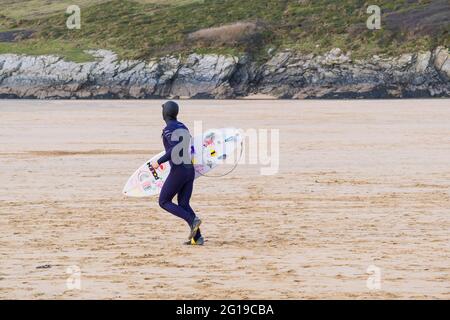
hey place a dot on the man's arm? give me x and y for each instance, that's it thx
(167, 135)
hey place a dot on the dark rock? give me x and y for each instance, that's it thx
(286, 75)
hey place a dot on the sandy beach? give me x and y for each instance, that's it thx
(361, 185)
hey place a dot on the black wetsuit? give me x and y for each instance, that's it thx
(180, 181)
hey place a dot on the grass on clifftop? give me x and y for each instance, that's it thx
(147, 28)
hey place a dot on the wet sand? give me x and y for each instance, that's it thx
(360, 184)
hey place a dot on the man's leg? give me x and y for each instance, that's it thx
(184, 197)
(175, 181)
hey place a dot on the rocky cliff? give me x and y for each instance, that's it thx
(286, 75)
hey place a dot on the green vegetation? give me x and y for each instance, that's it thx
(37, 47)
(32, 9)
(320, 24)
(143, 29)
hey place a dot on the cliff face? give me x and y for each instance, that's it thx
(286, 75)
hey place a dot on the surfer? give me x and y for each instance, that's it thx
(180, 181)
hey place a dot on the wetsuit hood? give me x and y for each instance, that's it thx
(170, 111)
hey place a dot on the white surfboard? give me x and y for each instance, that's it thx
(214, 147)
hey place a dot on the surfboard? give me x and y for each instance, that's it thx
(213, 148)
